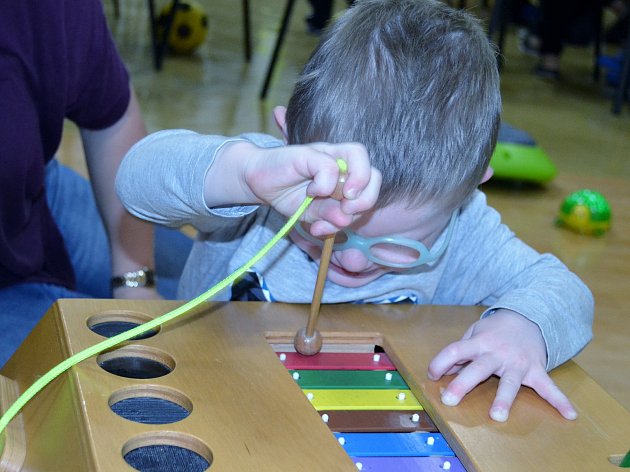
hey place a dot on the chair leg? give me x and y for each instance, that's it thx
(247, 46)
(159, 44)
(279, 40)
(116, 9)
(498, 24)
(157, 63)
(624, 79)
(598, 43)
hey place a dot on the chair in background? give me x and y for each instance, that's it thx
(621, 92)
(500, 16)
(497, 29)
(284, 24)
(158, 41)
(503, 11)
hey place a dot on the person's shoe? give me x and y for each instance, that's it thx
(528, 43)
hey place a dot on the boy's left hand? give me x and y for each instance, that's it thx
(505, 344)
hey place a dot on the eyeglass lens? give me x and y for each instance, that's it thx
(394, 253)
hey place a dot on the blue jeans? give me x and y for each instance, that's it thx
(73, 206)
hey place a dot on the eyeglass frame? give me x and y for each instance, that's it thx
(363, 244)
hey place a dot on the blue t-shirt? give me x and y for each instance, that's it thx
(57, 61)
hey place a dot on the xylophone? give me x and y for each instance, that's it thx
(373, 413)
(209, 392)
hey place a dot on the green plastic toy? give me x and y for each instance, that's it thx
(586, 212)
(523, 163)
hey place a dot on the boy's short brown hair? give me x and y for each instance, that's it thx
(416, 82)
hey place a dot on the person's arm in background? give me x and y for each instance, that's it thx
(131, 239)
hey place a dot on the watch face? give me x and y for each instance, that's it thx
(140, 278)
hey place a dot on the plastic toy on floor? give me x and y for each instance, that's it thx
(188, 29)
(517, 157)
(586, 212)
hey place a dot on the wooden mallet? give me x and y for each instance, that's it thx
(308, 340)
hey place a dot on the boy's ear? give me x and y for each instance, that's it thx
(488, 174)
(280, 117)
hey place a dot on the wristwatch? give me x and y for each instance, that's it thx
(143, 277)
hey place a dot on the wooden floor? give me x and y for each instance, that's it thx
(216, 91)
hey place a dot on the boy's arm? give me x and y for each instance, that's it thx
(178, 177)
(540, 315)
(490, 266)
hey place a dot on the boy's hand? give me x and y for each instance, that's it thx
(283, 176)
(505, 344)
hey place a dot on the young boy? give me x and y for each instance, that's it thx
(415, 83)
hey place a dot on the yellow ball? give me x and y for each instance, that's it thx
(189, 27)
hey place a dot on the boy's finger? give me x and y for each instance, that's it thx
(509, 385)
(359, 170)
(456, 368)
(327, 217)
(455, 353)
(469, 377)
(547, 389)
(325, 177)
(367, 198)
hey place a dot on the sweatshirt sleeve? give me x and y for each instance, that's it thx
(161, 179)
(496, 269)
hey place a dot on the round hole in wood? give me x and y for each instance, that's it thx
(113, 322)
(150, 404)
(166, 451)
(136, 362)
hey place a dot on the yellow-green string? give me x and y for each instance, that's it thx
(60, 368)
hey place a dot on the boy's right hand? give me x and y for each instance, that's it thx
(283, 176)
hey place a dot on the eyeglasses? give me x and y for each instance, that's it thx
(391, 251)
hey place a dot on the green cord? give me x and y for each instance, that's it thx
(53, 373)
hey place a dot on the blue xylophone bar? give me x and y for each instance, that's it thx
(394, 444)
(408, 464)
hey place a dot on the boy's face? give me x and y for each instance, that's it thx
(351, 267)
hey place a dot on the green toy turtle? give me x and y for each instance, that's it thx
(586, 212)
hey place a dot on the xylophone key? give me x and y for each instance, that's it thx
(348, 399)
(375, 421)
(349, 379)
(337, 361)
(394, 444)
(408, 464)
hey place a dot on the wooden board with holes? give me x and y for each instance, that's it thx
(246, 412)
